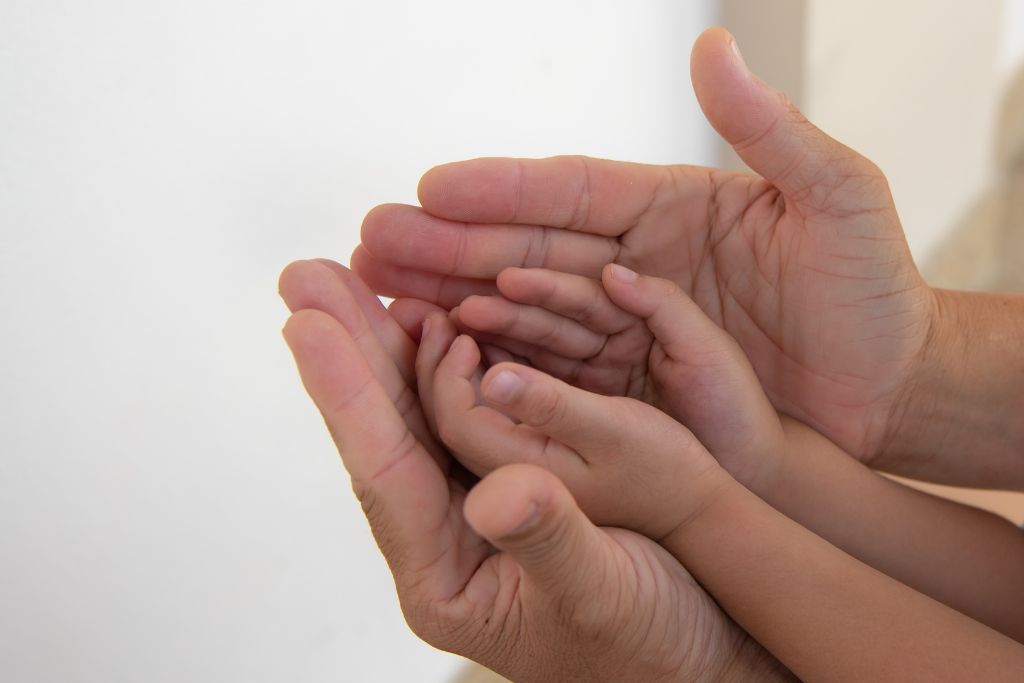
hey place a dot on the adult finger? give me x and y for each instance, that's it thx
(389, 278)
(528, 513)
(403, 492)
(773, 137)
(313, 285)
(399, 345)
(578, 193)
(410, 313)
(410, 236)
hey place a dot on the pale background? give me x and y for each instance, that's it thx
(171, 507)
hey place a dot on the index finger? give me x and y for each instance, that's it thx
(403, 491)
(580, 193)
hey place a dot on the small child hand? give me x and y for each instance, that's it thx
(636, 336)
(626, 463)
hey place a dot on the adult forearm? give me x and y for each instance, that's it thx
(960, 419)
(961, 556)
(824, 614)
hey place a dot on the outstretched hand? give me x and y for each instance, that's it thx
(805, 264)
(511, 573)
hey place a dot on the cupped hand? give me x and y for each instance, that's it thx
(640, 337)
(511, 573)
(805, 264)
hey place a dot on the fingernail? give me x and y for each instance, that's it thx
(504, 387)
(455, 342)
(622, 273)
(531, 519)
(425, 329)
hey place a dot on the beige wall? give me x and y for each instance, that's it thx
(914, 85)
(924, 89)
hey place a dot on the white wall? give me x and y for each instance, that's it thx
(170, 506)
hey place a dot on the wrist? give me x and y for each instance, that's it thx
(718, 491)
(957, 419)
(910, 424)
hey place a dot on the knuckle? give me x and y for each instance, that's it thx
(547, 408)
(449, 430)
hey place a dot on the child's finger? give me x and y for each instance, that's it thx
(409, 314)
(483, 438)
(676, 321)
(531, 325)
(539, 357)
(576, 297)
(585, 422)
(437, 335)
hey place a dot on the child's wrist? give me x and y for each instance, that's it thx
(704, 496)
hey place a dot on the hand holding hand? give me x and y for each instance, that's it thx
(805, 265)
(511, 574)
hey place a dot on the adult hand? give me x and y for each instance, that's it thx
(511, 573)
(805, 264)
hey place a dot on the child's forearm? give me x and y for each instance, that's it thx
(824, 614)
(964, 557)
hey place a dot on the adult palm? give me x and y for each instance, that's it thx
(805, 264)
(510, 574)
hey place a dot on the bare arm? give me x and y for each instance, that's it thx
(964, 557)
(961, 419)
(824, 614)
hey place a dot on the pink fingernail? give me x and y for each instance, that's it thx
(425, 328)
(622, 273)
(504, 387)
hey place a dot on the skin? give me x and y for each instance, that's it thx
(825, 615)
(483, 573)
(654, 344)
(804, 264)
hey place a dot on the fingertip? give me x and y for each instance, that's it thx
(479, 189)
(508, 277)
(620, 274)
(502, 387)
(308, 330)
(375, 231)
(304, 284)
(361, 263)
(510, 500)
(431, 189)
(464, 353)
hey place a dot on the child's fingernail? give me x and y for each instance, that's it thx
(622, 273)
(425, 329)
(504, 387)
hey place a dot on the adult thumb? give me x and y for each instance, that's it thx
(768, 132)
(527, 512)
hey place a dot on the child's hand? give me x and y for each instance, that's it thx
(641, 337)
(626, 463)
